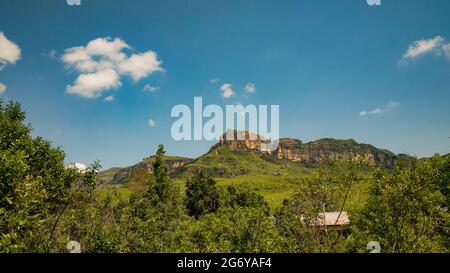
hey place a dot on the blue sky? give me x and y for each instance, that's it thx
(339, 69)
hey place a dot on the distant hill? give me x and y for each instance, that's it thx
(107, 176)
(122, 175)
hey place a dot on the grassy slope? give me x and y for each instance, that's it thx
(275, 180)
(108, 175)
(222, 162)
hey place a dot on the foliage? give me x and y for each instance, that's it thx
(234, 197)
(407, 210)
(317, 195)
(230, 230)
(160, 190)
(201, 194)
(34, 184)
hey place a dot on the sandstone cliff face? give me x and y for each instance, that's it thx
(331, 149)
(173, 163)
(313, 152)
(237, 140)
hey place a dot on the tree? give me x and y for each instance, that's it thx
(160, 216)
(323, 192)
(161, 186)
(229, 230)
(34, 183)
(201, 194)
(241, 197)
(407, 209)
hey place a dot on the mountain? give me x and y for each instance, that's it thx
(233, 158)
(121, 175)
(318, 151)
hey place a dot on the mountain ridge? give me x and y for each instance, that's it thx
(231, 157)
(118, 175)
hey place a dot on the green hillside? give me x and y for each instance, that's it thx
(275, 176)
(108, 175)
(224, 162)
(276, 180)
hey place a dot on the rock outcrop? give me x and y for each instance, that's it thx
(237, 140)
(328, 149)
(318, 151)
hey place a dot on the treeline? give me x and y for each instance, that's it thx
(44, 205)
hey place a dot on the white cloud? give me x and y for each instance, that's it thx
(227, 90)
(377, 111)
(363, 113)
(112, 49)
(150, 88)
(393, 104)
(9, 51)
(51, 55)
(139, 66)
(213, 81)
(96, 54)
(9, 54)
(436, 46)
(106, 54)
(109, 99)
(2, 88)
(93, 84)
(446, 49)
(151, 123)
(423, 47)
(250, 88)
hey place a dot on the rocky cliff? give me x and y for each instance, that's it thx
(328, 149)
(318, 151)
(246, 148)
(237, 140)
